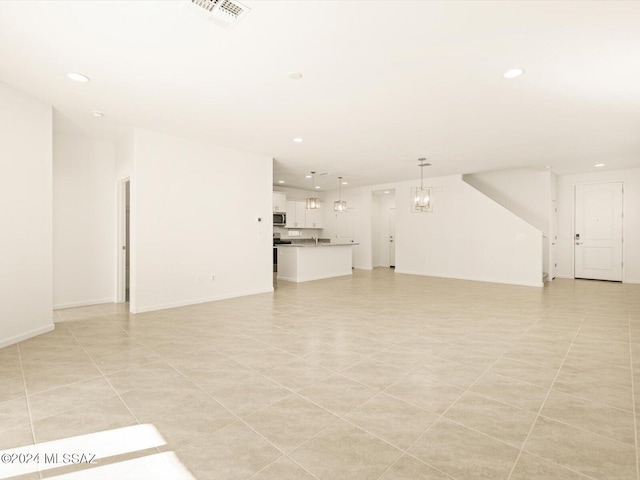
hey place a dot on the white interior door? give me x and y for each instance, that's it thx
(392, 237)
(553, 262)
(598, 231)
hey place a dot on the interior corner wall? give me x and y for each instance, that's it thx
(467, 236)
(203, 222)
(84, 205)
(26, 212)
(631, 222)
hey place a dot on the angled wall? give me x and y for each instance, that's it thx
(25, 210)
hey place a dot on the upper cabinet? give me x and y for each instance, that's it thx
(313, 218)
(299, 217)
(292, 220)
(279, 202)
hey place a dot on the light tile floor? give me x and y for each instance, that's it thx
(378, 376)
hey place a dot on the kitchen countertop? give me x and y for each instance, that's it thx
(309, 244)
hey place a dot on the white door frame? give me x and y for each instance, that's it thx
(573, 224)
(121, 255)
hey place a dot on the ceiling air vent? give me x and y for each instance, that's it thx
(225, 13)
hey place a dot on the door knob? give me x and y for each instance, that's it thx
(578, 243)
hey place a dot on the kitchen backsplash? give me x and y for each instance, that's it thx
(304, 233)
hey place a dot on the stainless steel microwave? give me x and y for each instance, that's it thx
(280, 219)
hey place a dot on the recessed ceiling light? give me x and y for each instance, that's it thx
(513, 73)
(387, 191)
(307, 176)
(548, 167)
(97, 114)
(298, 140)
(280, 181)
(599, 165)
(345, 183)
(317, 187)
(295, 75)
(78, 77)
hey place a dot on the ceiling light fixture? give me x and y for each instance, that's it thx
(599, 165)
(97, 114)
(340, 205)
(295, 75)
(307, 176)
(78, 77)
(312, 202)
(421, 196)
(280, 181)
(298, 140)
(513, 73)
(345, 183)
(387, 191)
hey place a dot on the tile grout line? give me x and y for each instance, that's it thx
(237, 417)
(26, 397)
(633, 398)
(524, 443)
(109, 383)
(456, 401)
(298, 394)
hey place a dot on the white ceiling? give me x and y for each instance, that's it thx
(384, 82)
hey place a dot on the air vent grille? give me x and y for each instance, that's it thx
(208, 5)
(222, 12)
(231, 8)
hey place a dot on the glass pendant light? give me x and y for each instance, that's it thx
(340, 205)
(312, 202)
(421, 200)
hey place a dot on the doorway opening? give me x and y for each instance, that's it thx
(124, 236)
(383, 224)
(598, 231)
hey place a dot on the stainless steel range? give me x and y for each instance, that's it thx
(277, 241)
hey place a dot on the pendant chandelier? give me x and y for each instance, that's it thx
(421, 201)
(312, 202)
(340, 205)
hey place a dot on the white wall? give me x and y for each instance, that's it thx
(25, 210)
(356, 222)
(468, 235)
(631, 224)
(196, 208)
(523, 191)
(83, 221)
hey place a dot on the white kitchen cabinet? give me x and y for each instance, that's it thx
(292, 216)
(279, 202)
(299, 217)
(313, 219)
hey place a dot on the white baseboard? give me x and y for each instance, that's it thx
(185, 303)
(570, 277)
(473, 279)
(632, 281)
(83, 303)
(27, 335)
(310, 279)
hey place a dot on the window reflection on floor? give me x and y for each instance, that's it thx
(91, 454)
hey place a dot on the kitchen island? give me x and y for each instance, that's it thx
(303, 262)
